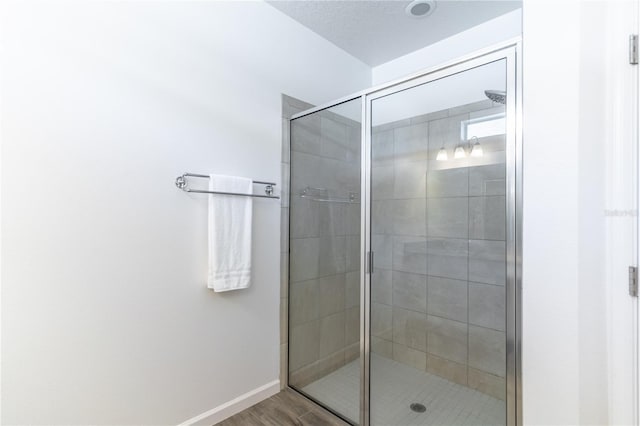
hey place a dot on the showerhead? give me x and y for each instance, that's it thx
(496, 96)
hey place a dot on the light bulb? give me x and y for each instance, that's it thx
(442, 155)
(459, 152)
(476, 150)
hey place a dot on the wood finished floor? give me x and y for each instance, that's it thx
(286, 408)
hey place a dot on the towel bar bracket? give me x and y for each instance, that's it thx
(181, 182)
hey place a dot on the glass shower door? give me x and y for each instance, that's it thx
(440, 238)
(324, 261)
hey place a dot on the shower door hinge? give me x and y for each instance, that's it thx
(370, 262)
(633, 281)
(633, 49)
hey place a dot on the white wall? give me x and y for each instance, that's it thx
(502, 28)
(550, 209)
(106, 318)
(578, 161)
(620, 87)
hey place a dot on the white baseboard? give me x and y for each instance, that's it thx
(234, 406)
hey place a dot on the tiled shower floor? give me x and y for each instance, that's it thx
(395, 386)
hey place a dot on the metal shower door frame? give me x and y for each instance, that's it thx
(510, 51)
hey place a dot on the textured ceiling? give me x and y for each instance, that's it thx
(379, 31)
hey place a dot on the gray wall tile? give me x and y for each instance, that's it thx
(381, 286)
(382, 182)
(285, 196)
(487, 180)
(382, 246)
(305, 134)
(314, 219)
(332, 294)
(354, 135)
(381, 321)
(332, 334)
(353, 252)
(408, 356)
(305, 304)
(382, 148)
(409, 217)
(452, 182)
(410, 328)
(284, 274)
(306, 170)
(447, 258)
(447, 339)
(382, 347)
(353, 218)
(351, 352)
(487, 218)
(332, 256)
(487, 383)
(352, 325)
(304, 344)
(332, 218)
(409, 255)
(286, 141)
(448, 217)
(410, 291)
(284, 320)
(410, 179)
(291, 106)
(382, 216)
(410, 142)
(487, 350)
(449, 370)
(284, 234)
(352, 292)
(334, 139)
(304, 258)
(487, 262)
(305, 220)
(447, 298)
(487, 306)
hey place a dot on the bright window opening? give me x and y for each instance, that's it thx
(483, 127)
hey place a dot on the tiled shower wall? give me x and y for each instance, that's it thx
(324, 244)
(438, 289)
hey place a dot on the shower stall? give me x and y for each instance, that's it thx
(404, 248)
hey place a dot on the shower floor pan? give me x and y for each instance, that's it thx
(395, 386)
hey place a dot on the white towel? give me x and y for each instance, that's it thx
(229, 233)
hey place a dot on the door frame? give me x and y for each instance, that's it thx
(510, 53)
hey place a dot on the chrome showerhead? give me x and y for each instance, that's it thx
(496, 96)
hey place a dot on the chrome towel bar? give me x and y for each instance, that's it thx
(321, 194)
(181, 182)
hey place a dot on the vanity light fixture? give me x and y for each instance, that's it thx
(442, 155)
(476, 148)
